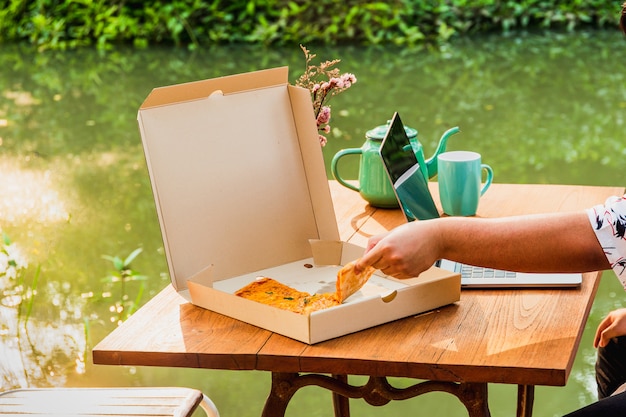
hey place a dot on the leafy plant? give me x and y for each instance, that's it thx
(123, 274)
(16, 291)
(53, 24)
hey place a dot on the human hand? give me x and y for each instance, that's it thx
(613, 325)
(404, 252)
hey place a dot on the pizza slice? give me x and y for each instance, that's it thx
(349, 282)
(319, 302)
(276, 294)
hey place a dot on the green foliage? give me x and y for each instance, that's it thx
(14, 285)
(55, 24)
(123, 274)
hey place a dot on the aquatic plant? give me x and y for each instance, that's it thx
(16, 291)
(124, 306)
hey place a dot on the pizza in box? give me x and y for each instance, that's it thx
(269, 291)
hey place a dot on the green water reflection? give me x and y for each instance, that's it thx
(74, 186)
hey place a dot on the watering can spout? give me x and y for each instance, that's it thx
(431, 163)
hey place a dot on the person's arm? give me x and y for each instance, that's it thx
(560, 242)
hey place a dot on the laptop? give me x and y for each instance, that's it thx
(417, 203)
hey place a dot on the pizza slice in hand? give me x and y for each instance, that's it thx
(349, 282)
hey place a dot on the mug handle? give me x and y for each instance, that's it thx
(489, 179)
(333, 166)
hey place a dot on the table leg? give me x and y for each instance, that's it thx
(474, 397)
(281, 392)
(525, 399)
(341, 404)
(285, 385)
(377, 391)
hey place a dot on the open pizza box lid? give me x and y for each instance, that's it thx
(240, 186)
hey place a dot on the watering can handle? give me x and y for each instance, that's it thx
(333, 166)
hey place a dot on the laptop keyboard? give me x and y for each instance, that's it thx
(468, 271)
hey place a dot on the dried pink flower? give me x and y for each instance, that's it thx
(330, 84)
(324, 116)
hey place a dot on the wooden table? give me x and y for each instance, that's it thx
(522, 337)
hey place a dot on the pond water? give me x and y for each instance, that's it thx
(76, 194)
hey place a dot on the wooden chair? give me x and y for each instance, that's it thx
(109, 402)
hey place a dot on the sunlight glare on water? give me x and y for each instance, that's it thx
(29, 196)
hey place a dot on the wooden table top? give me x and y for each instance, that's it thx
(526, 337)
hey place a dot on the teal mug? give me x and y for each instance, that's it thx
(460, 177)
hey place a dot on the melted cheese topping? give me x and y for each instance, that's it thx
(271, 292)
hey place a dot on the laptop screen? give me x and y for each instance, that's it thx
(414, 197)
(403, 169)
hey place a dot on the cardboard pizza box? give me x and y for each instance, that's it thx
(240, 187)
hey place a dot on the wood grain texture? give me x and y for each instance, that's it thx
(527, 337)
(170, 331)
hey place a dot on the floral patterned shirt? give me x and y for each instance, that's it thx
(609, 224)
